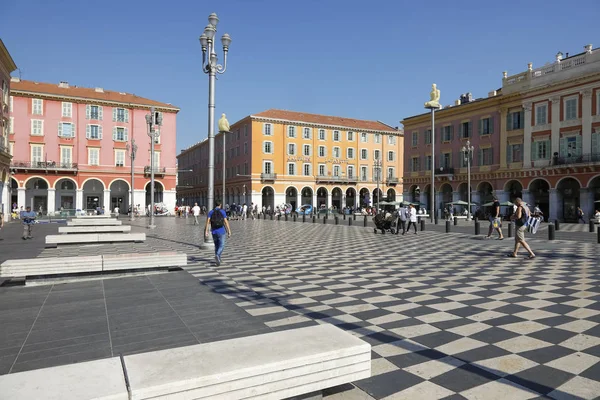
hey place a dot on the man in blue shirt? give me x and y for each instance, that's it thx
(28, 218)
(219, 226)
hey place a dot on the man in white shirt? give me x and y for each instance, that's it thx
(244, 211)
(196, 212)
(117, 212)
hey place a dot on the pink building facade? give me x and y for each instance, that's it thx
(71, 148)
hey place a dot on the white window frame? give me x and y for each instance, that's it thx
(116, 134)
(11, 100)
(364, 154)
(375, 153)
(37, 106)
(377, 138)
(307, 133)
(337, 170)
(11, 128)
(90, 129)
(565, 101)
(538, 107)
(350, 136)
(307, 169)
(322, 134)
(270, 164)
(93, 150)
(322, 153)
(67, 109)
(291, 165)
(364, 138)
(391, 139)
(61, 130)
(11, 148)
(350, 153)
(336, 136)
(125, 114)
(265, 145)
(322, 169)
(336, 152)
(39, 122)
(88, 112)
(391, 156)
(364, 172)
(391, 172)
(36, 146)
(120, 153)
(267, 129)
(304, 152)
(292, 147)
(350, 171)
(156, 158)
(291, 131)
(5, 96)
(62, 158)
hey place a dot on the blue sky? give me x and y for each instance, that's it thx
(353, 58)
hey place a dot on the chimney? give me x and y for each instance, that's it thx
(63, 84)
(15, 79)
(99, 90)
(492, 93)
(588, 48)
(457, 102)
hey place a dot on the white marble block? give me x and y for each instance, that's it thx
(113, 262)
(95, 229)
(50, 266)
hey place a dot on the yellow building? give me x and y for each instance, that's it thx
(278, 156)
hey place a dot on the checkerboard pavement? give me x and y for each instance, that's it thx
(449, 317)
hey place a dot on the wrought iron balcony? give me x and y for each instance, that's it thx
(268, 177)
(352, 179)
(157, 170)
(47, 166)
(334, 178)
(392, 181)
(571, 160)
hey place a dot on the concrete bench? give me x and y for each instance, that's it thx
(115, 262)
(95, 229)
(50, 266)
(272, 366)
(94, 222)
(85, 238)
(93, 216)
(275, 365)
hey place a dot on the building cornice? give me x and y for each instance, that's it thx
(455, 111)
(6, 59)
(85, 100)
(391, 132)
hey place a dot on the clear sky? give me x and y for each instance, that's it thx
(353, 58)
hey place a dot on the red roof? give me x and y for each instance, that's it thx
(84, 93)
(318, 119)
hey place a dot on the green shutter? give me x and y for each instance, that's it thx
(451, 132)
(491, 124)
(522, 120)
(88, 131)
(480, 160)
(509, 122)
(548, 150)
(563, 147)
(534, 150)
(60, 129)
(595, 143)
(114, 133)
(461, 130)
(578, 145)
(481, 127)
(470, 133)
(509, 153)
(491, 156)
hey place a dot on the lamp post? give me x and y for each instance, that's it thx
(433, 105)
(378, 164)
(467, 150)
(211, 68)
(154, 121)
(224, 158)
(133, 148)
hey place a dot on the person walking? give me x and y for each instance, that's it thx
(580, 215)
(196, 212)
(402, 219)
(495, 220)
(520, 217)
(219, 227)
(412, 218)
(244, 211)
(28, 217)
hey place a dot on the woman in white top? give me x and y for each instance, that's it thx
(412, 218)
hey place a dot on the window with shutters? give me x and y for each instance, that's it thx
(94, 132)
(415, 139)
(570, 108)
(307, 151)
(391, 173)
(540, 150)
(447, 133)
(268, 147)
(267, 129)
(267, 167)
(514, 153)
(515, 120)
(350, 172)
(93, 156)
(486, 126)
(120, 115)
(307, 133)
(350, 153)
(596, 144)
(246, 148)
(4, 92)
(120, 134)
(119, 158)
(427, 136)
(336, 170)
(291, 131)
(307, 169)
(37, 127)
(466, 128)
(94, 112)
(391, 139)
(376, 154)
(37, 153)
(37, 106)
(336, 152)
(336, 136)
(391, 156)
(66, 156)
(377, 137)
(322, 170)
(541, 114)
(291, 149)
(427, 163)
(322, 151)
(350, 136)
(364, 138)
(570, 146)
(66, 130)
(322, 134)
(414, 165)
(364, 172)
(486, 156)
(67, 109)
(364, 154)
(446, 160)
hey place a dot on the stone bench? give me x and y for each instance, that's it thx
(85, 238)
(276, 365)
(103, 263)
(93, 216)
(94, 222)
(95, 229)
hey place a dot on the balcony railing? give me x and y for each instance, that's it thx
(444, 171)
(571, 160)
(157, 170)
(392, 180)
(43, 165)
(337, 178)
(268, 177)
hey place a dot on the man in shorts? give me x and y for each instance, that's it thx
(520, 217)
(495, 220)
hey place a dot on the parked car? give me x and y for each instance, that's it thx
(305, 209)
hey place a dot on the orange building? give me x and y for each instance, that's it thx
(278, 156)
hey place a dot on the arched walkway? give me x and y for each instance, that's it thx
(594, 193)
(321, 197)
(485, 192)
(568, 199)
(268, 198)
(391, 195)
(66, 190)
(350, 197)
(14, 192)
(291, 197)
(377, 196)
(365, 197)
(93, 195)
(539, 192)
(307, 196)
(119, 196)
(463, 192)
(36, 195)
(446, 191)
(158, 193)
(514, 190)
(336, 198)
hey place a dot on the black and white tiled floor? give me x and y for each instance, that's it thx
(448, 316)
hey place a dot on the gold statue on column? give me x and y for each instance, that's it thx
(434, 98)
(223, 124)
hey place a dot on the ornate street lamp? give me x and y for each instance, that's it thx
(467, 151)
(133, 149)
(433, 104)
(154, 121)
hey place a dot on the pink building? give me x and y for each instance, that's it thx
(69, 148)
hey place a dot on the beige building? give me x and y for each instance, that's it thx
(7, 65)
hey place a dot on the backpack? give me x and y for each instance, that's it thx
(216, 219)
